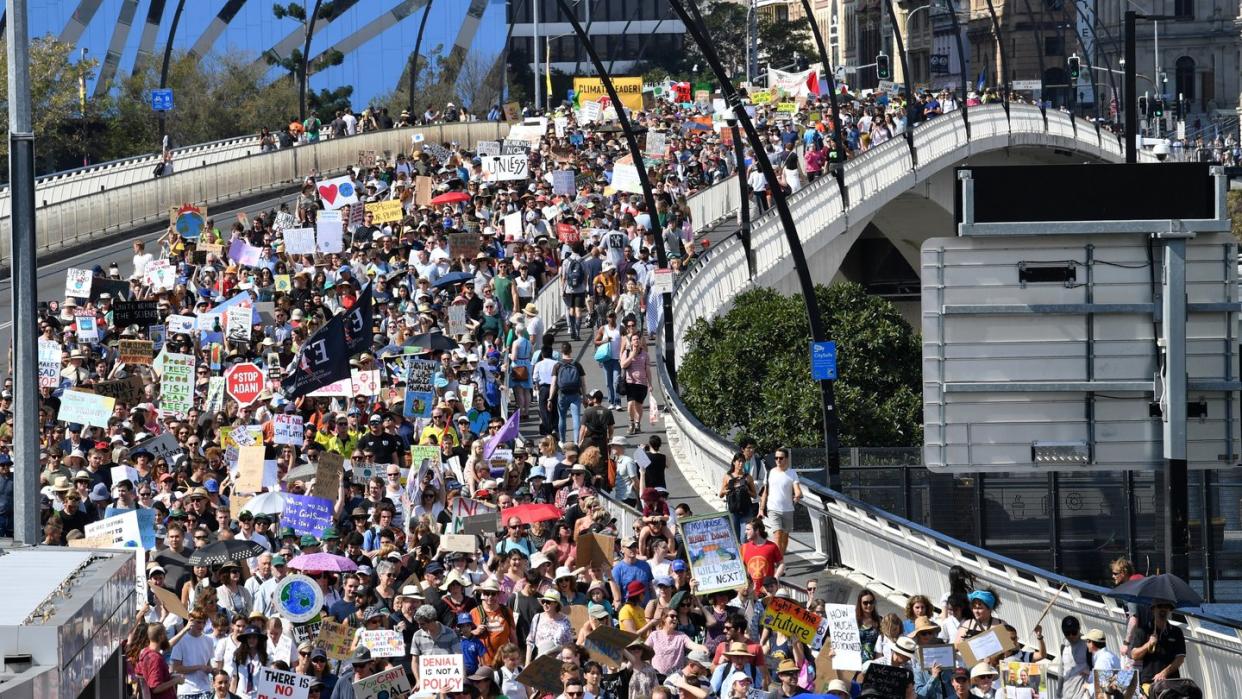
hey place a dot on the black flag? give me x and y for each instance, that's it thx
(321, 360)
(358, 321)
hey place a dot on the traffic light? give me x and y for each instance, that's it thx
(1143, 105)
(881, 67)
(1177, 109)
(1159, 109)
(1074, 67)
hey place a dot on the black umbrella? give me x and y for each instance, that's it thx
(224, 551)
(1159, 588)
(174, 564)
(432, 342)
(452, 278)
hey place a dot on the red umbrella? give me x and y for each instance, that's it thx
(451, 198)
(532, 512)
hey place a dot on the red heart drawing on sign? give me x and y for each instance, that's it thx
(328, 193)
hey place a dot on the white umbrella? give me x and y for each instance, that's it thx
(266, 504)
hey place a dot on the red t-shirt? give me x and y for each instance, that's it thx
(154, 671)
(761, 561)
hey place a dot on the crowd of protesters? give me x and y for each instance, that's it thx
(508, 601)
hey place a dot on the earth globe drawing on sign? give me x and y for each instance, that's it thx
(299, 599)
(189, 221)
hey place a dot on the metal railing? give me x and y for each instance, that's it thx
(885, 548)
(147, 201)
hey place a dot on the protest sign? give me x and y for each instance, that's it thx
(366, 158)
(171, 603)
(502, 168)
(563, 182)
(383, 685)
(931, 655)
(977, 649)
(300, 241)
(438, 152)
(284, 283)
(845, 637)
(78, 283)
(662, 281)
(307, 514)
(128, 390)
(459, 543)
(238, 320)
(328, 475)
(386, 211)
(280, 684)
(164, 447)
(595, 549)
(336, 639)
(121, 530)
(308, 631)
(791, 619)
(157, 334)
(329, 230)
(136, 352)
(465, 245)
(49, 363)
(244, 253)
(480, 525)
(250, 468)
(606, 645)
(297, 598)
(513, 225)
(1027, 680)
(463, 508)
(625, 178)
(713, 552)
(457, 319)
(86, 408)
(338, 192)
(513, 111)
(88, 329)
(177, 384)
(543, 674)
(442, 674)
(422, 190)
(141, 313)
(486, 148)
(287, 429)
(888, 680)
(123, 473)
(383, 643)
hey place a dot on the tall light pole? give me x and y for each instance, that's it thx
(418, 43)
(905, 71)
(818, 332)
(838, 138)
(24, 295)
(535, 48)
(636, 154)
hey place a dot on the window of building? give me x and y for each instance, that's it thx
(1185, 77)
(1184, 8)
(1054, 45)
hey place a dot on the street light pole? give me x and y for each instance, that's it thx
(739, 152)
(818, 332)
(1131, 90)
(636, 154)
(25, 292)
(905, 71)
(837, 137)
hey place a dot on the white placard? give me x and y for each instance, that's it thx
(88, 329)
(440, 674)
(383, 643)
(662, 281)
(337, 192)
(86, 408)
(328, 232)
(501, 168)
(300, 241)
(513, 225)
(846, 643)
(178, 324)
(279, 684)
(486, 148)
(625, 178)
(78, 283)
(122, 530)
(591, 111)
(49, 363)
(287, 429)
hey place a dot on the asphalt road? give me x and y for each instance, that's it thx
(51, 277)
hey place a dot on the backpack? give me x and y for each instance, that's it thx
(569, 378)
(574, 274)
(737, 499)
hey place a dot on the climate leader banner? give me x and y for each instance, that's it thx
(629, 89)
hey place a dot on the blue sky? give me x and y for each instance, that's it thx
(373, 69)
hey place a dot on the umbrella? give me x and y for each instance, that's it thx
(1165, 587)
(266, 504)
(322, 562)
(452, 278)
(532, 512)
(174, 564)
(432, 342)
(225, 551)
(451, 198)
(301, 473)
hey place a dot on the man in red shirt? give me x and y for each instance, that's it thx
(761, 557)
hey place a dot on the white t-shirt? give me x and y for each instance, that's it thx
(141, 261)
(614, 244)
(191, 650)
(781, 489)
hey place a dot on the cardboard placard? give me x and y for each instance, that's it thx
(824, 672)
(383, 643)
(172, 603)
(578, 615)
(606, 645)
(128, 390)
(544, 673)
(280, 684)
(465, 245)
(383, 685)
(237, 503)
(595, 549)
(458, 542)
(328, 475)
(422, 190)
(336, 639)
(486, 524)
(791, 619)
(250, 468)
(136, 352)
(978, 648)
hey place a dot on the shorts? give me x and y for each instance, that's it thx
(636, 392)
(777, 521)
(575, 300)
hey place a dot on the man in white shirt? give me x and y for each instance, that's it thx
(780, 494)
(351, 122)
(1101, 657)
(141, 259)
(542, 375)
(262, 573)
(759, 188)
(191, 657)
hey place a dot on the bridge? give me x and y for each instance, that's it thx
(887, 187)
(895, 186)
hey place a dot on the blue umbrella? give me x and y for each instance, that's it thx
(452, 278)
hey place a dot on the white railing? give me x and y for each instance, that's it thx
(715, 203)
(147, 201)
(902, 555)
(939, 137)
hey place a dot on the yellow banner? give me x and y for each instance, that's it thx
(760, 97)
(630, 90)
(781, 107)
(791, 619)
(386, 211)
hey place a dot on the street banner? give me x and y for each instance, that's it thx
(791, 619)
(383, 685)
(86, 408)
(441, 674)
(846, 642)
(715, 557)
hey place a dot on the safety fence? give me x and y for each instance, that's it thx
(893, 552)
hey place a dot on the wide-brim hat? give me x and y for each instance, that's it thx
(738, 649)
(922, 624)
(642, 650)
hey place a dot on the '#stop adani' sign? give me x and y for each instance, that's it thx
(244, 382)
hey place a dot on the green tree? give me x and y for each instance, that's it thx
(62, 130)
(299, 66)
(749, 370)
(781, 43)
